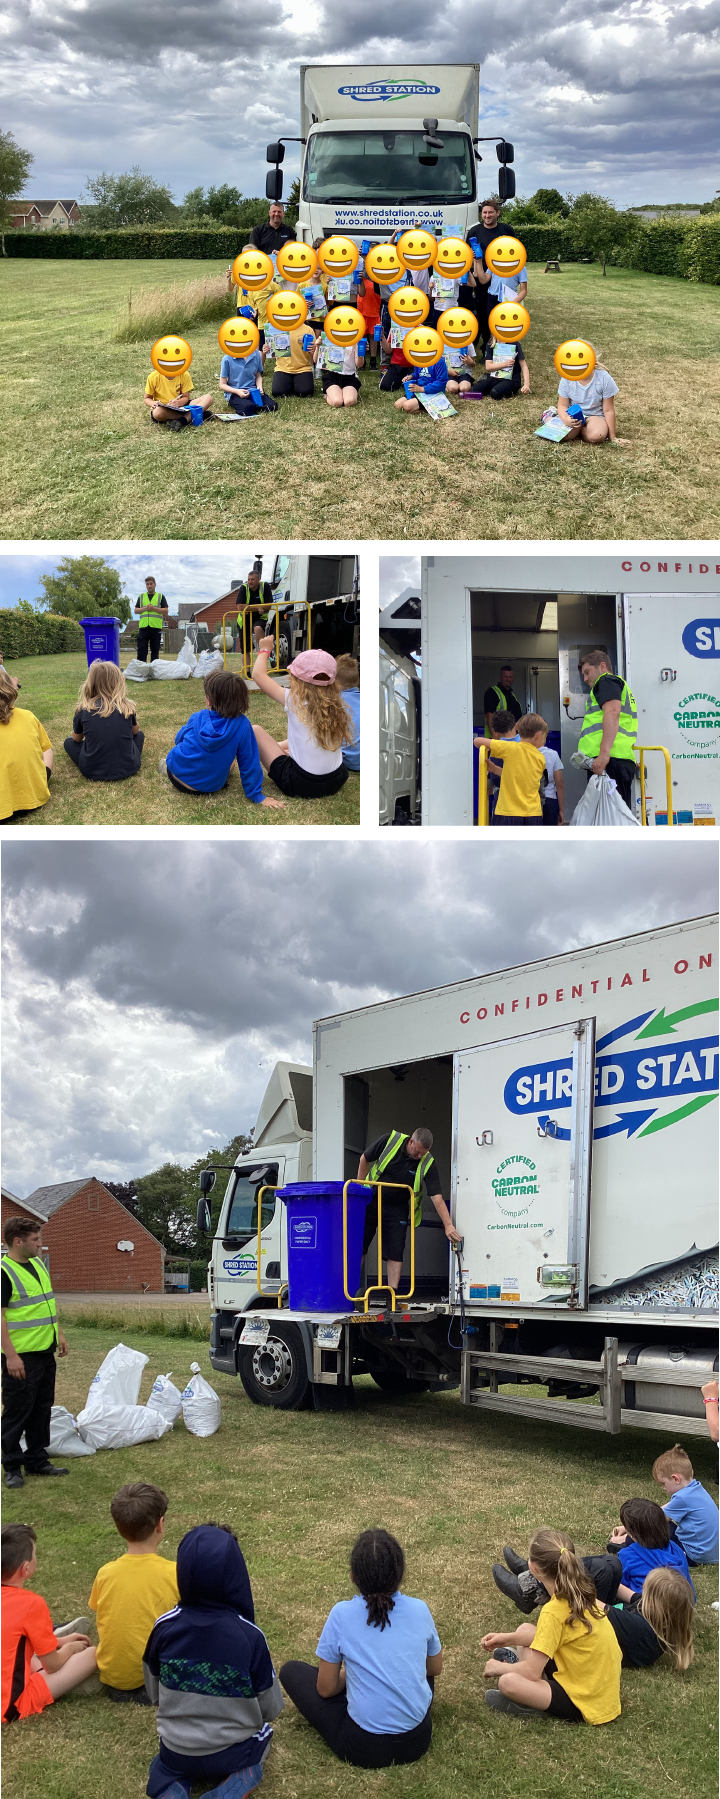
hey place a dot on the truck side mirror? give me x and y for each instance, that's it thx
(505, 151)
(274, 185)
(506, 184)
(275, 153)
(208, 1178)
(204, 1219)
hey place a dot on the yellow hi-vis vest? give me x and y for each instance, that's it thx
(394, 1143)
(150, 613)
(31, 1317)
(592, 726)
(504, 696)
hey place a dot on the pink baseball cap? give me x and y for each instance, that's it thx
(314, 666)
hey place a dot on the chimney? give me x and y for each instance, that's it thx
(236, 582)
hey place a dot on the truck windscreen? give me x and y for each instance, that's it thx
(383, 167)
(242, 1219)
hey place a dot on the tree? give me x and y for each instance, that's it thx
(129, 199)
(597, 229)
(221, 200)
(166, 1200)
(550, 201)
(193, 205)
(84, 587)
(292, 206)
(15, 166)
(712, 205)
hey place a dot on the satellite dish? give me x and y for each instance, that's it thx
(125, 1243)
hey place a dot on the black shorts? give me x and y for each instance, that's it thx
(508, 818)
(297, 784)
(394, 1230)
(329, 379)
(560, 1705)
(284, 385)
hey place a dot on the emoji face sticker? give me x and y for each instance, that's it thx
(287, 310)
(171, 355)
(408, 306)
(238, 337)
(338, 256)
(453, 258)
(457, 327)
(344, 326)
(575, 359)
(383, 264)
(253, 270)
(297, 262)
(508, 322)
(417, 249)
(505, 256)
(422, 347)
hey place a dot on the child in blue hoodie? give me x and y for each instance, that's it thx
(207, 1668)
(427, 381)
(206, 747)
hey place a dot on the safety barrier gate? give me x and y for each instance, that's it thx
(643, 750)
(241, 612)
(485, 1370)
(380, 1286)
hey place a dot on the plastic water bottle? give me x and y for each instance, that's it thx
(362, 347)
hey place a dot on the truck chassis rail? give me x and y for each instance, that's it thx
(607, 1374)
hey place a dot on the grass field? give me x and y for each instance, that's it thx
(50, 686)
(297, 1487)
(82, 460)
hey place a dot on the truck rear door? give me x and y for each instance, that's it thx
(522, 1151)
(672, 664)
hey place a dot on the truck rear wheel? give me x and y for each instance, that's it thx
(392, 1380)
(275, 1372)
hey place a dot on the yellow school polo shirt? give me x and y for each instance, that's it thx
(165, 388)
(23, 775)
(587, 1662)
(523, 770)
(128, 1596)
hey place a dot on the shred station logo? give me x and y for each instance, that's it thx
(394, 89)
(240, 1265)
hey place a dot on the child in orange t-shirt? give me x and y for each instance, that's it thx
(36, 1669)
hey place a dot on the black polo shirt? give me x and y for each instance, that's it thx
(402, 1168)
(510, 704)
(270, 238)
(609, 687)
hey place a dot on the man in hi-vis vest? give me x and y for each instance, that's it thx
(610, 726)
(30, 1334)
(153, 610)
(397, 1157)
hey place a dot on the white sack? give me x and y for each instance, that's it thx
(118, 1378)
(65, 1438)
(201, 1405)
(601, 804)
(166, 1398)
(179, 669)
(207, 664)
(121, 1426)
(138, 671)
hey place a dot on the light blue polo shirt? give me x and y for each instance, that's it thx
(387, 1687)
(242, 371)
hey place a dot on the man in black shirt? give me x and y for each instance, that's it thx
(501, 698)
(28, 1373)
(402, 1168)
(607, 691)
(483, 233)
(254, 592)
(275, 233)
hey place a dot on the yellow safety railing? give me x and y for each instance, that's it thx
(241, 612)
(483, 817)
(643, 750)
(380, 1286)
(260, 1288)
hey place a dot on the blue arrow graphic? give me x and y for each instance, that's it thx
(625, 1121)
(622, 1030)
(556, 1131)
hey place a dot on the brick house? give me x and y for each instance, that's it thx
(12, 1207)
(83, 1225)
(44, 215)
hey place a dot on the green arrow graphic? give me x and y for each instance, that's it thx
(663, 1025)
(660, 1124)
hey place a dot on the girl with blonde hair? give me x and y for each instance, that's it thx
(26, 755)
(659, 1622)
(106, 742)
(309, 763)
(568, 1665)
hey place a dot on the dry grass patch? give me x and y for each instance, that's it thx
(154, 310)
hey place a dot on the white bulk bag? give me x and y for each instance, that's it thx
(121, 1426)
(601, 804)
(65, 1438)
(138, 671)
(201, 1405)
(165, 1398)
(118, 1378)
(207, 663)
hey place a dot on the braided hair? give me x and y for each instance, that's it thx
(377, 1566)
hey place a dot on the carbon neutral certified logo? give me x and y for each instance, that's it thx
(698, 720)
(515, 1185)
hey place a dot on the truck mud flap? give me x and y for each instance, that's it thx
(332, 1399)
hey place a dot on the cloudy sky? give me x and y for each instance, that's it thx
(197, 576)
(147, 990)
(615, 96)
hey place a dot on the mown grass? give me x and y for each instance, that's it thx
(156, 309)
(454, 1485)
(50, 686)
(81, 458)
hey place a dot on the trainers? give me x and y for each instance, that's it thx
(515, 1563)
(15, 1479)
(78, 1624)
(498, 1703)
(505, 1655)
(510, 1586)
(49, 1471)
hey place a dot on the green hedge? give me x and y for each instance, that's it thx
(198, 1277)
(544, 242)
(702, 239)
(41, 635)
(201, 242)
(658, 248)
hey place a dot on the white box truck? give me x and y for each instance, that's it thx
(658, 617)
(386, 145)
(572, 1102)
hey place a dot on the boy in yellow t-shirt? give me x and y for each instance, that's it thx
(519, 800)
(169, 395)
(129, 1594)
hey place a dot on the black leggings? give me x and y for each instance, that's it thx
(393, 377)
(494, 389)
(284, 385)
(348, 1741)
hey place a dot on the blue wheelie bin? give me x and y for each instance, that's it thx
(102, 639)
(315, 1243)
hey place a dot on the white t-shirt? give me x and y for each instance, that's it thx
(590, 394)
(303, 748)
(552, 762)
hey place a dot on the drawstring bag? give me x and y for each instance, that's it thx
(601, 804)
(207, 663)
(201, 1405)
(166, 1398)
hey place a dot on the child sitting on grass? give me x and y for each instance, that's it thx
(460, 370)
(348, 680)
(568, 1665)
(689, 1508)
(36, 1669)
(596, 398)
(208, 1670)
(506, 371)
(660, 1620)
(106, 742)
(523, 768)
(642, 1541)
(130, 1593)
(168, 397)
(308, 765)
(239, 377)
(206, 747)
(26, 755)
(423, 381)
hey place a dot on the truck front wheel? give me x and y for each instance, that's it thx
(275, 1372)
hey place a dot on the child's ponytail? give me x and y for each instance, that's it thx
(554, 1554)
